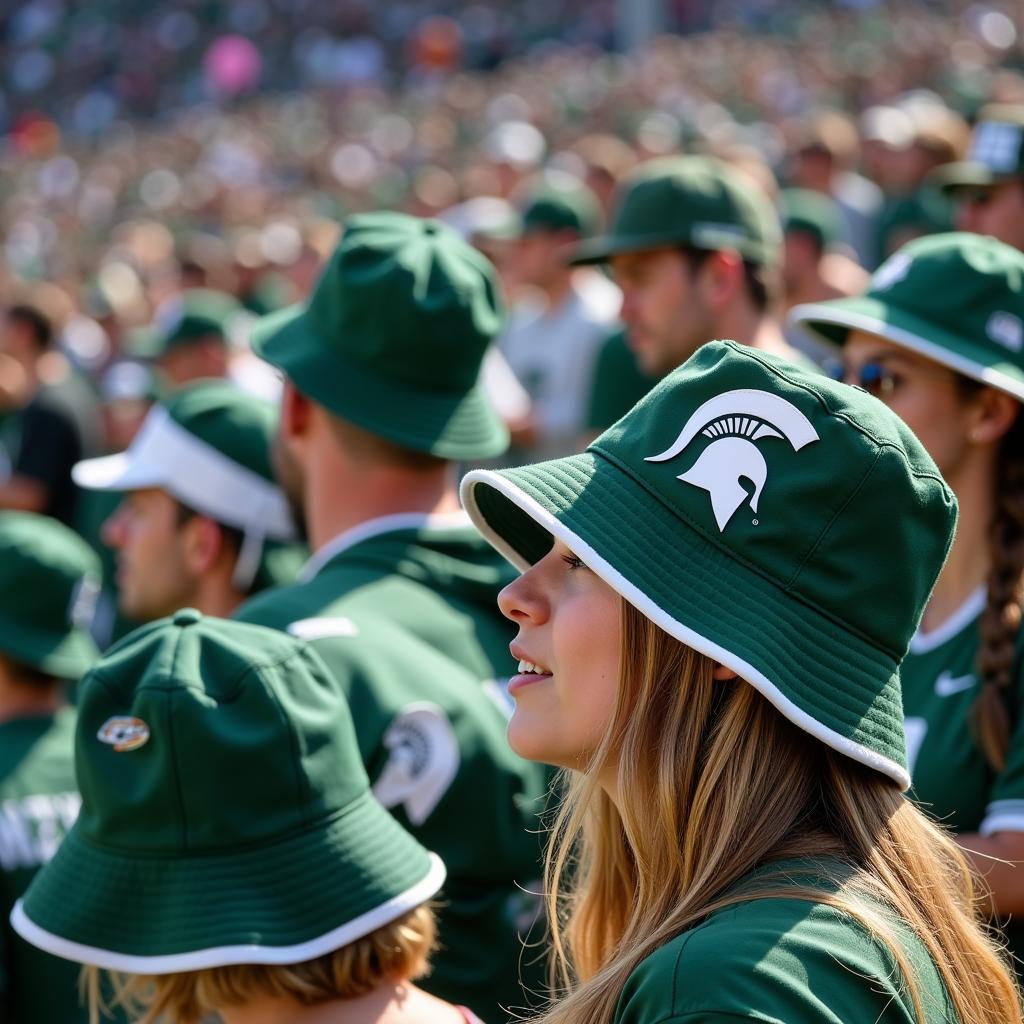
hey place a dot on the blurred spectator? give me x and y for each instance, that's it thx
(557, 326)
(48, 582)
(190, 336)
(695, 246)
(825, 161)
(40, 436)
(202, 523)
(816, 265)
(988, 187)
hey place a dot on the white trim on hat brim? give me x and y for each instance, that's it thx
(805, 315)
(164, 454)
(224, 956)
(596, 563)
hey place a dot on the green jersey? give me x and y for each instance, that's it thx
(781, 961)
(404, 612)
(952, 779)
(39, 802)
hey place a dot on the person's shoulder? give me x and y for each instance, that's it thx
(278, 607)
(773, 958)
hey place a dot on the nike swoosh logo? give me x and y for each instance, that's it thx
(946, 685)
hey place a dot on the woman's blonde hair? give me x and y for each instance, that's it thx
(712, 782)
(398, 951)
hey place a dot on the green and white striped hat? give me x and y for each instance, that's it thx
(209, 447)
(786, 525)
(226, 814)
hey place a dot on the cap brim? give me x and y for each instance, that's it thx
(449, 426)
(283, 903)
(966, 174)
(797, 658)
(833, 321)
(121, 472)
(603, 247)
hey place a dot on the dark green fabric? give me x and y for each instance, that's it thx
(957, 298)
(952, 779)
(783, 961)
(437, 588)
(618, 383)
(195, 315)
(815, 582)
(38, 804)
(49, 582)
(694, 201)
(223, 826)
(556, 207)
(812, 213)
(394, 334)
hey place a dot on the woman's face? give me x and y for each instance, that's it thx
(570, 632)
(922, 393)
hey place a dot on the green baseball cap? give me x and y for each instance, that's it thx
(788, 526)
(394, 336)
(560, 203)
(226, 815)
(209, 447)
(996, 153)
(49, 583)
(813, 214)
(695, 201)
(956, 298)
(195, 314)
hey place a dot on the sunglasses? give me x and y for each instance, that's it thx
(874, 378)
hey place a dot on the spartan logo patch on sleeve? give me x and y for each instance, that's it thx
(422, 763)
(737, 419)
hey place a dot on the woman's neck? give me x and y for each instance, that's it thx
(969, 561)
(398, 1003)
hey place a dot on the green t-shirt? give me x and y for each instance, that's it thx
(618, 383)
(780, 961)
(39, 802)
(952, 779)
(404, 612)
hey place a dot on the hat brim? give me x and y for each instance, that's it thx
(795, 656)
(282, 903)
(603, 247)
(120, 472)
(951, 178)
(449, 426)
(67, 655)
(833, 321)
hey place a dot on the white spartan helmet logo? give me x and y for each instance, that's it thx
(736, 419)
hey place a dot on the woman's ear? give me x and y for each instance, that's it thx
(722, 674)
(994, 414)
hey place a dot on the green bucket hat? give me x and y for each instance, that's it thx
(394, 336)
(694, 201)
(996, 153)
(956, 298)
(49, 583)
(226, 815)
(194, 314)
(209, 447)
(560, 203)
(807, 579)
(812, 213)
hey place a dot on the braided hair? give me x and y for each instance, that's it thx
(991, 716)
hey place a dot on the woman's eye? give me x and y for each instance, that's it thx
(573, 562)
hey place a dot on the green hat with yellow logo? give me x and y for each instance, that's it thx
(394, 335)
(694, 201)
(786, 525)
(49, 582)
(226, 815)
(956, 298)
